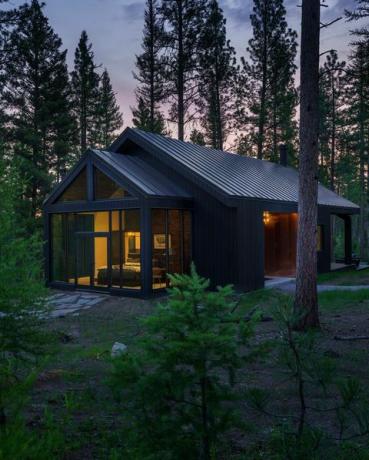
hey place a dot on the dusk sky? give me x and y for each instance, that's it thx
(115, 30)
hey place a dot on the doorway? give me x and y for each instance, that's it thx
(93, 266)
(280, 239)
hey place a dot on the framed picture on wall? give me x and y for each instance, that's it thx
(159, 241)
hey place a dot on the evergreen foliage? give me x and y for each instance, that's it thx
(356, 120)
(85, 87)
(151, 90)
(331, 87)
(217, 65)
(183, 20)
(360, 12)
(108, 119)
(37, 101)
(142, 119)
(269, 76)
(22, 296)
(197, 137)
(178, 388)
(299, 434)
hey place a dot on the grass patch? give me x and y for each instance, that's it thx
(329, 301)
(345, 277)
(265, 299)
(333, 301)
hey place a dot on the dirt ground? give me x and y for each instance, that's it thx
(74, 387)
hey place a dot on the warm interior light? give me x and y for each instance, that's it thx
(266, 217)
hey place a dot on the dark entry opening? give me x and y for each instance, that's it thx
(280, 236)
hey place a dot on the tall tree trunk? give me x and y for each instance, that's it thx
(333, 163)
(261, 127)
(306, 299)
(152, 68)
(219, 123)
(275, 135)
(363, 197)
(83, 120)
(333, 140)
(180, 76)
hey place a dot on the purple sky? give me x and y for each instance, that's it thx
(115, 30)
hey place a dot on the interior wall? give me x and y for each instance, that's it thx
(280, 239)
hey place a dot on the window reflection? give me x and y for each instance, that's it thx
(77, 190)
(106, 188)
(131, 249)
(171, 244)
(80, 248)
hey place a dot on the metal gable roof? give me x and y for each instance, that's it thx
(236, 175)
(146, 178)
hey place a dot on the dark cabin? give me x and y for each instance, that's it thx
(124, 218)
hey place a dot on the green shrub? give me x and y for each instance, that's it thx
(18, 442)
(327, 411)
(177, 391)
(22, 302)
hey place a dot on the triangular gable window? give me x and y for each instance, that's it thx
(77, 190)
(106, 188)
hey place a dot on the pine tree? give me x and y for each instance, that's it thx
(283, 95)
(36, 95)
(361, 12)
(64, 138)
(183, 20)
(178, 389)
(108, 117)
(22, 300)
(331, 86)
(270, 92)
(149, 63)
(7, 18)
(142, 119)
(217, 70)
(306, 297)
(197, 137)
(85, 81)
(357, 100)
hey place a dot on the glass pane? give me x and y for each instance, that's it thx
(106, 188)
(159, 248)
(131, 249)
(92, 221)
(84, 260)
(115, 249)
(77, 191)
(175, 240)
(71, 246)
(58, 248)
(62, 248)
(101, 269)
(187, 250)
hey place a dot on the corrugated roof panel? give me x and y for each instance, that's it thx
(146, 178)
(240, 176)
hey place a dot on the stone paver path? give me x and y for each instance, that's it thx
(63, 304)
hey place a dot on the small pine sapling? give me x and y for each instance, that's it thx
(327, 411)
(178, 388)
